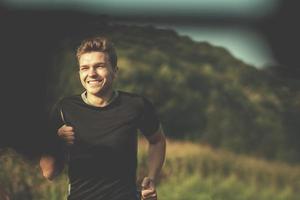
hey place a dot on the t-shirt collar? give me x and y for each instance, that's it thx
(84, 98)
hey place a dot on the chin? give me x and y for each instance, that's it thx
(97, 92)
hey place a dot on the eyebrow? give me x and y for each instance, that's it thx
(98, 63)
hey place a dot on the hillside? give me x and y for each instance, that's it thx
(201, 91)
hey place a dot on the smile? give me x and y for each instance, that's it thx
(94, 82)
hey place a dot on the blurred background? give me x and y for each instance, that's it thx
(223, 75)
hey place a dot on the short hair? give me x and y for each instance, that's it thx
(99, 44)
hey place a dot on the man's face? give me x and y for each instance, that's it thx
(96, 73)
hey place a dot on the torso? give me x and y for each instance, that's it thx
(103, 157)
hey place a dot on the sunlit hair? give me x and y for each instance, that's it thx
(99, 44)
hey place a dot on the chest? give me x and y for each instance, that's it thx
(115, 127)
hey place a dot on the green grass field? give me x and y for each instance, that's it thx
(191, 172)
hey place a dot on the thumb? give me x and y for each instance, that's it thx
(147, 183)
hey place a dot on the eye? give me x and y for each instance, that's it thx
(100, 66)
(83, 68)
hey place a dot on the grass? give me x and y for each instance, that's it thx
(196, 172)
(191, 172)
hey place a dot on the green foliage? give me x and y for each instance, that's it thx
(201, 92)
(195, 187)
(197, 172)
(191, 171)
(22, 179)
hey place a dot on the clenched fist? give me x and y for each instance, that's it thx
(67, 134)
(148, 189)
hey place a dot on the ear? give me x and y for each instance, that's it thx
(116, 69)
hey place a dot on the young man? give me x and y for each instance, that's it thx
(99, 131)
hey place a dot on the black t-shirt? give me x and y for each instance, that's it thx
(103, 160)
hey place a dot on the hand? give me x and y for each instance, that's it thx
(148, 189)
(67, 134)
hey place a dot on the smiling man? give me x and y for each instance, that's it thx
(99, 133)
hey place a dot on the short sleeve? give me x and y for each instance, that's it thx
(149, 122)
(55, 117)
(52, 143)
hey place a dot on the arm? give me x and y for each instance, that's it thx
(53, 164)
(156, 153)
(156, 157)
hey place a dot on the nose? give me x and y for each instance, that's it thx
(92, 72)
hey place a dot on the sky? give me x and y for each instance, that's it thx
(244, 43)
(247, 8)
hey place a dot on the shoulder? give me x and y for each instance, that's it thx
(131, 95)
(65, 102)
(133, 98)
(137, 101)
(70, 99)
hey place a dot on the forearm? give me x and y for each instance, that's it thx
(52, 161)
(156, 157)
(51, 166)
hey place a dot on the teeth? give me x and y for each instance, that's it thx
(94, 81)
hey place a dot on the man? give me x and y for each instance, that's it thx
(99, 130)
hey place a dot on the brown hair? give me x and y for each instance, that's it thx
(100, 44)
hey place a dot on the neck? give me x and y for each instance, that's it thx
(100, 100)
